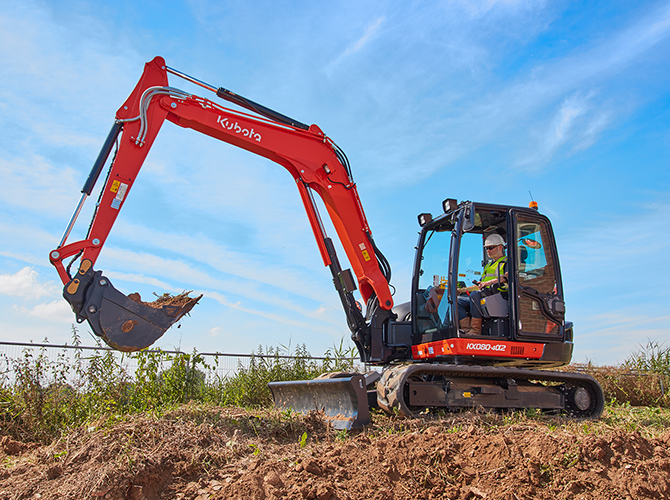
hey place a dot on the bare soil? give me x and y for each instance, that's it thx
(197, 452)
(166, 299)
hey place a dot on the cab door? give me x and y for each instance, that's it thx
(537, 287)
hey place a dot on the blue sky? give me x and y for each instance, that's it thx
(485, 101)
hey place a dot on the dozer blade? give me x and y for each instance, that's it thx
(123, 323)
(343, 400)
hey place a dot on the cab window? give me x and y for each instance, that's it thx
(536, 273)
(534, 260)
(433, 274)
(470, 259)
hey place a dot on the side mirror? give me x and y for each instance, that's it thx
(469, 218)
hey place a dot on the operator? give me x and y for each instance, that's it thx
(494, 280)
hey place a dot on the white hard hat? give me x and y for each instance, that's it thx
(494, 240)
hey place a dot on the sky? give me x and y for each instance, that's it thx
(492, 101)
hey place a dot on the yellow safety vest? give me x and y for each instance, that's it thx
(493, 270)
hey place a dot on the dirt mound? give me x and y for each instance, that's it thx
(228, 453)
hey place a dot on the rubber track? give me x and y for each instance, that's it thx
(390, 389)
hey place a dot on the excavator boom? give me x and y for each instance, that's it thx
(312, 158)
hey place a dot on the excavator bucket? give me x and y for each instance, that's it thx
(123, 322)
(344, 400)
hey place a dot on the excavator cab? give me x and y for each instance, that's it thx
(523, 330)
(451, 257)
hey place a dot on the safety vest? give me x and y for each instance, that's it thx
(496, 269)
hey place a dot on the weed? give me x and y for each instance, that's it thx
(49, 396)
(546, 473)
(256, 449)
(342, 435)
(570, 459)
(653, 357)
(42, 397)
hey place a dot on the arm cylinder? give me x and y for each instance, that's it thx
(102, 158)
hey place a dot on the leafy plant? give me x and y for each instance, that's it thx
(46, 396)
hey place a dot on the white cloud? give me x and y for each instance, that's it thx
(481, 8)
(37, 185)
(54, 311)
(561, 95)
(613, 293)
(26, 283)
(215, 332)
(574, 127)
(371, 31)
(295, 275)
(268, 293)
(141, 278)
(613, 336)
(278, 318)
(632, 245)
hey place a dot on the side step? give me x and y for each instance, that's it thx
(343, 397)
(124, 323)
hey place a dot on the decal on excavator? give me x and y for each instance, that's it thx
(364, 252)
(483, 347)
(235, 127)
(120, 191)
(486, 347)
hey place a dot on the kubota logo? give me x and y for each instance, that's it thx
(235, 127)
(486, 347)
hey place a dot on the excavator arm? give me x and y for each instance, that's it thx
(313, 159)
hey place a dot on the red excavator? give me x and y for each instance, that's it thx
(431, 359)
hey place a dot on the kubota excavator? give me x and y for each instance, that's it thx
(429, 361)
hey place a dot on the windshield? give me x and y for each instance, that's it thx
(435, 270)
(435, 260)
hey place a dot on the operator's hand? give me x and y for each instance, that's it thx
(486, 284)
(492, 282)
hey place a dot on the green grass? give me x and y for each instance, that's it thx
(47, 396)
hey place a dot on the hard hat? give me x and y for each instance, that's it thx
(494, 240)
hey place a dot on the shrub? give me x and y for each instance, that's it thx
(642, 380)
(49, 396)
(249, 386)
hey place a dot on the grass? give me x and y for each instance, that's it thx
(47, 397)
(642, 380)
